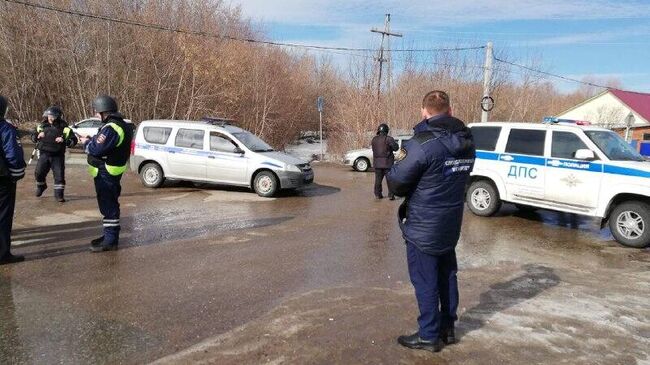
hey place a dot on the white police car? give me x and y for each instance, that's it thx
(361, 160)
(562, 165)
(213, 151)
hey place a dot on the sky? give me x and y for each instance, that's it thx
(574, 38)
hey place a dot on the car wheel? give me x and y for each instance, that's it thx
(630, 224)
(361, 164)
(152, 175)
(483, 198)
(265, 184)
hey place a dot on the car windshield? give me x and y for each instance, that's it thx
(253, 142)
(613, 146)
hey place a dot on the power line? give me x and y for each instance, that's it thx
(220, 36)
(565, 78)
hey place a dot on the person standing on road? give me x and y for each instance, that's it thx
(108, 153)
(383, 147)
(52, 137)
(12, 169)
(431, 172)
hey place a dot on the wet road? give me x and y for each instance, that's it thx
(319, 277)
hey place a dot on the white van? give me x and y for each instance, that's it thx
(213, 151)
(562, 165)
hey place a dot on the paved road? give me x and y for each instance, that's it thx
(317, 277)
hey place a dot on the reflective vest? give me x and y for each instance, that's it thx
(51, 133)
(116, 161)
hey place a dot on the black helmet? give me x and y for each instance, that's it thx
(54, 111)
(4, 104)
(104, 104)
(383, 129)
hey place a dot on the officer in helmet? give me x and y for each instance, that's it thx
(383, 147)
(52, 137)
(12, 169)
(108, 153)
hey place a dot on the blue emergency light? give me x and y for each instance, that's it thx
(555, 120)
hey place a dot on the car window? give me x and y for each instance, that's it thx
(485, 138)
(565, 145)
(614, 146)
(85, 124)
(156, 135)
(190, 138)
(221, 143)
(526, 142)
(96, 124)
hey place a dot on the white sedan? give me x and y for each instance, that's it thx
(89, 127)
(361, 160)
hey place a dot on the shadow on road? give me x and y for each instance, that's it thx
(65, 239)
(502, 296)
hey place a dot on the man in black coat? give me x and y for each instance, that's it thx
(383, 147)
(52, 137)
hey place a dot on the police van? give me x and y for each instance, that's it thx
(213, 151)
(562, 165)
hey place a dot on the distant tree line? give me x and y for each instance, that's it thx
(50, 58)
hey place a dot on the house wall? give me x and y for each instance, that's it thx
(605, 110)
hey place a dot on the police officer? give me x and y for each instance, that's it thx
(431, 172)
(108, 153)
(52, 137)
(12, 169)
(383, 147)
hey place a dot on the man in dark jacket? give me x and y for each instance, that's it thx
(52, 137)
(12, 169)
(383, 147)
(108, 154)
(431, 172)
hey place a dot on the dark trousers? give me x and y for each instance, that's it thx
(7, 205)
(436, 290)
(55, 162)
(379, 180)
(108, 191)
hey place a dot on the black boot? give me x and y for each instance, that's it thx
(448, 335)
(11, 259)
(99, 245)
(58, 195)
(97, 241)
(415, 342)
(40, 189)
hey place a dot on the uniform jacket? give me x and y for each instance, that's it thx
(12, 161)
(48, 144)
(382, 151)
(108, 147)
(432, 174)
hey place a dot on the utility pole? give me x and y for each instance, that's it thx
(487, 80)
(381, 59)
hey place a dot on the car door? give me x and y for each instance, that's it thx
(187, 158)
(571, 182)
(88, 127)
(223, 163)
(522, 165)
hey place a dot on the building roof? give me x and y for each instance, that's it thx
(639, 102)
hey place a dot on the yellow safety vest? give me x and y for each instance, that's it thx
(113, 170)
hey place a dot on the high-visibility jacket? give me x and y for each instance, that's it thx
(111, 147)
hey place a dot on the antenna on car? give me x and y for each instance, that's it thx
(219, 121)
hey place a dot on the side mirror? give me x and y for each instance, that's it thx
(238, 150)
(585, 155)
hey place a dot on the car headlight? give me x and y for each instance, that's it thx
(293, 168)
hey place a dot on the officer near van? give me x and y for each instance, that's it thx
(383, 147)
(108, 154)
(431, 172)
(52, 137)
(12, 169)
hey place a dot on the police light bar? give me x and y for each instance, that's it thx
(555, 120)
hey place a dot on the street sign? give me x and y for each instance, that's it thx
(487, 103)
(320, 103)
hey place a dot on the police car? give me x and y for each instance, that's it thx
(213, 151)
(562, 165)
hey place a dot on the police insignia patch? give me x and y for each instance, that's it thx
(101, 138)
(400, 155)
